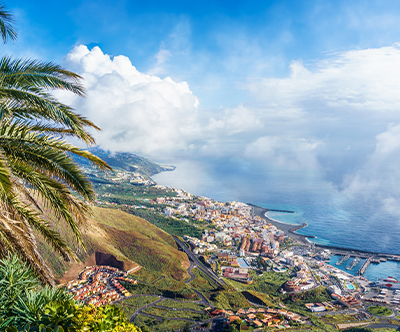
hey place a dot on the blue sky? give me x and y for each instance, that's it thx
(297, 85)
(213, 45)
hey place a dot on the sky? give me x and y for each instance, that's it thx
(299, 85)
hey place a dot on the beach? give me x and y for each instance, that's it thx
(289, 228)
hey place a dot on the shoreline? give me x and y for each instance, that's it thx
(292, 228)
(286, 227)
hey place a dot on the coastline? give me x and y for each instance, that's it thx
(291, 229)
(286, 227)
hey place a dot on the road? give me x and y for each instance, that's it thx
(384, 326)
(210, 273)
(192, 276)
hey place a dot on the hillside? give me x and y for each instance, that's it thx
(130, 239)
(126, 161)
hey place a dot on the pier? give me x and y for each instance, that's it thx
(362, 269)
(353, 263)
(343, 259)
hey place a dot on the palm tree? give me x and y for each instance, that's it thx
(7, 30)
(37, 171)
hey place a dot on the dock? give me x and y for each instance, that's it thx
(353, 263)
(342, 260)
(362, 269)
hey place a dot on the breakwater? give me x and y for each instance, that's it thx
(364, 266)
(343, 251)
(270, 210)
(289, 228)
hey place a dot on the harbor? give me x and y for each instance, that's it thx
(363, 262)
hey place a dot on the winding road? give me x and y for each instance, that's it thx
(210, 273)
(189, 270)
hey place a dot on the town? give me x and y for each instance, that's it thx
(238, 246)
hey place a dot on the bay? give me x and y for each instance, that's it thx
(334, 218)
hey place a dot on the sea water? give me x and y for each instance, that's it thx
(332, 217)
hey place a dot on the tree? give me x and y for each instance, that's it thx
(37, 172)
(186, 328)
(7, 30)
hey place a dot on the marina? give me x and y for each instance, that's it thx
(353, 263)
(364, 266)
(342, 260)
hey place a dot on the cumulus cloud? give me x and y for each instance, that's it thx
(364, 80)
(137, 112)
(143, 113)
(332, 115)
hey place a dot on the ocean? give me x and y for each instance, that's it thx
(334, 218)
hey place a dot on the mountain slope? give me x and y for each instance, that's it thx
(130, 239)
(127, 161)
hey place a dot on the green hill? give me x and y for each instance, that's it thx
(127, 161)
(128, 238)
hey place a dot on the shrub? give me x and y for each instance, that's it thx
(27, 307)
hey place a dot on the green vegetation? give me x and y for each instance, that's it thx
(240, 325)
(166, 313)
(25, 305)
(268, 283)
(36, 168)
(338, 319)
(202, 283)
(151, 283)
(129, 306)
(126, 161)
(170, 225)
(181, 305)
(154, 325)
(379, 310)
(263, 298)
(364, 329)
(229, 298)
(128, 190)
(298, 300)
(129, 239)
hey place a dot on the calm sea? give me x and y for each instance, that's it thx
(331, 216)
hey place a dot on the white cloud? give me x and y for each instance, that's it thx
(377, 181)
(363, 80)
(324, 116)
(284, 152)
(162, 56)
(137, 112)
(233, 121)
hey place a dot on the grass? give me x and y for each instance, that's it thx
(379, 310)
(268, 283)
(202, 283)
(129, 306)
(170, 225)
(337, 319)
(139, 301)
(229, 299)
(181, 305)
(155, 326)
(263, 297)
(128, 238)
(298, 300)
(165, 313)
(150, 283)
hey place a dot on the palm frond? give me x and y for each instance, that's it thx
(7, 30)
